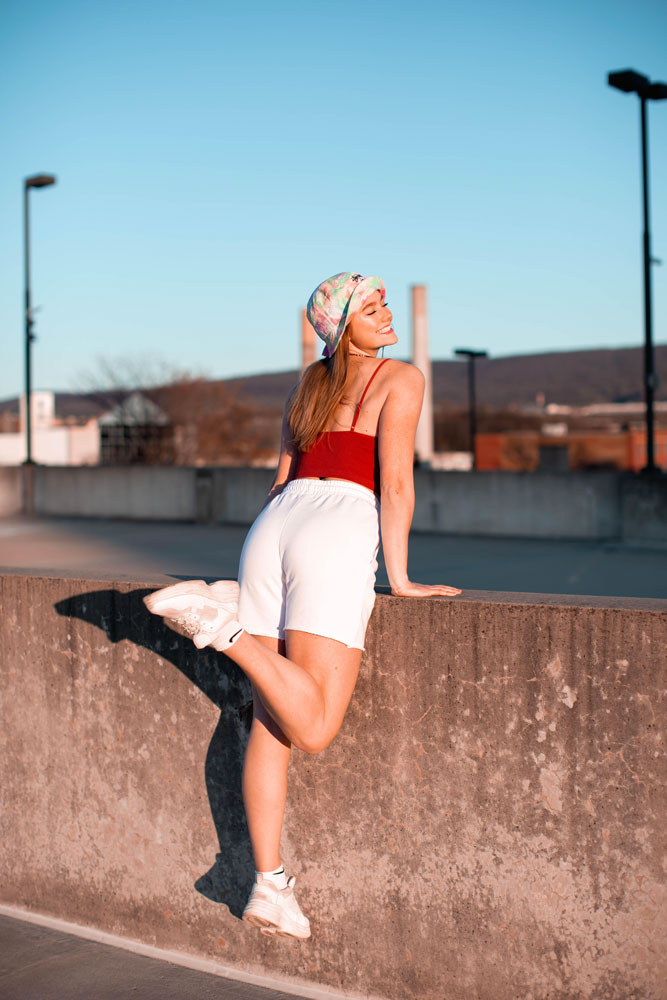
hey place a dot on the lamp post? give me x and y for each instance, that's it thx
(471, 355)
(36, 181)
(631, 82)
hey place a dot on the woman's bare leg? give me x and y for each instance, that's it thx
(265, 779)
(305, 692)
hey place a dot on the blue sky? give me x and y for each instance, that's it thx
(215, 161)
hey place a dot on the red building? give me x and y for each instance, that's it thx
(529, 450)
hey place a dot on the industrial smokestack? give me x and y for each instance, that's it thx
(420, 358)
(308, 342)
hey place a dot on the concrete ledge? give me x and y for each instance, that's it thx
(489, 822)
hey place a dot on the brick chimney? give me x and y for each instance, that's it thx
(420, 358)
(308, 342)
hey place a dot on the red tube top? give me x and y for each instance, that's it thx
(344, 454)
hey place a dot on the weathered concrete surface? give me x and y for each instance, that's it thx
(593, 505)
(489, 823)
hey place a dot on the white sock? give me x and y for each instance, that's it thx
(227, 636)
(277, 877)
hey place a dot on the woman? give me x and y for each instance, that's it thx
(295, 622)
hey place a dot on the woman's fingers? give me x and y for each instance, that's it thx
(427, 590)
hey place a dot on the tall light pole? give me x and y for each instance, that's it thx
(471, 355)
(36, 181)
(631, 82)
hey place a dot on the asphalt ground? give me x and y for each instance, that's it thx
(39, 963)
(89, 546)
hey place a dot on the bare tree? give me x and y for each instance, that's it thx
(224, 426)
(209, 423)
(128, 372)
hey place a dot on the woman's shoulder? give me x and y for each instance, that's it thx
(406, 375)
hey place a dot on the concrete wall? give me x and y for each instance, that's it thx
(239, 494)
(149, 492)
(644, 509)
(518, 504)
(595, 505)
(489, 824)
(11, 490)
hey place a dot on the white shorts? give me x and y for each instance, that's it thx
(309, 562)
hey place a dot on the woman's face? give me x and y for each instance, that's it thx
(370, 328)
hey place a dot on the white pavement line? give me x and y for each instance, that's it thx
(311, 991)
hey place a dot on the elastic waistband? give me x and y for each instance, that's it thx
(322, 486)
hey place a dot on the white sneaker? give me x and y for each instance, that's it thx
(276, 911)
(206, 614)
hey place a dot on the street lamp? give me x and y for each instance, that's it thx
(631, 82)
(471, 355)
(36, 181)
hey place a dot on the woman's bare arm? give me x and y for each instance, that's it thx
(397, 428)
(288, 454)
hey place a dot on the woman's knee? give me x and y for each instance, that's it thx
(317, 741)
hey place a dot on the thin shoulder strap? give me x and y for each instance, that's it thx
(356, 412)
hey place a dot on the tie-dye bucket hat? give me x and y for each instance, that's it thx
(334, 302)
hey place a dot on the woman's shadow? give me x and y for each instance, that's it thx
(124, 616)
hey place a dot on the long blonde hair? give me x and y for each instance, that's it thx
(318, 394)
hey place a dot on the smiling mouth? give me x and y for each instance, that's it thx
(386, 329)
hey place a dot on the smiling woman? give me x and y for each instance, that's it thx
(351, 315)
(296, 621)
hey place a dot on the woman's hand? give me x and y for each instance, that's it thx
(410, 589)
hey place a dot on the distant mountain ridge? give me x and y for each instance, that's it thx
(577, 378)
(607, 375)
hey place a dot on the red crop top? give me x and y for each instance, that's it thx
(344, 454)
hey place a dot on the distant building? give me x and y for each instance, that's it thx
(530, 450)
(54, 441)
(42, 410)
(71, 429)
(134, 431)
(451, 461)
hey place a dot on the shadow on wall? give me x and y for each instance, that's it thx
(124, 616)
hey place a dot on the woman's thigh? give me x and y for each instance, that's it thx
(329, 561)
(334, 667)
